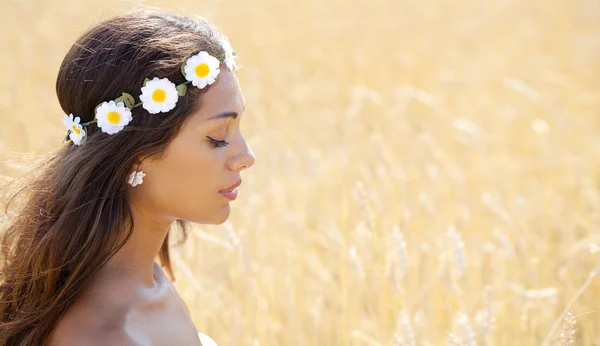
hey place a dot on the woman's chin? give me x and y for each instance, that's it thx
(218, 217)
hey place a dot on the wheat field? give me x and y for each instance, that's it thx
(427, 172)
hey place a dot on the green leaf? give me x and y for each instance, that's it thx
(183, 69)
(146, 81)
(84, 139)
(181, 89)
(67, 136)
(127, 99)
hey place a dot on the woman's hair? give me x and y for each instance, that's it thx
(74, 216)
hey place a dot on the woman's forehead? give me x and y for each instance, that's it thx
(225, 95)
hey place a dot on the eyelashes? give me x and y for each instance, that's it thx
(216, 143)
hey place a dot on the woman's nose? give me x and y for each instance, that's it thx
(244, 159)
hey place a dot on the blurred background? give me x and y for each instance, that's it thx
(427, 171)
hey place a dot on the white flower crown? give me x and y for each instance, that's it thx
(158, 95)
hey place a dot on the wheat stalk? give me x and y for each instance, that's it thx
(567, 337)
(567, 309)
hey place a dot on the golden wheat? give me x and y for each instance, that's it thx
(423, 168)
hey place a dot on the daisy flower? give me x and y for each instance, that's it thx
(76, 131)
(112, 117)
(159, 95)
(201, 69)
(229, 57)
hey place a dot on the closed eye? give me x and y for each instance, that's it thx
(217, 143)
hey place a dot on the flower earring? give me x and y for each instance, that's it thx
(136, 178)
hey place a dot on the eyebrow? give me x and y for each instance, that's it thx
(229, 114)
(232, 115)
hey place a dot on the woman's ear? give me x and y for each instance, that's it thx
(143, 164)
(137, 165)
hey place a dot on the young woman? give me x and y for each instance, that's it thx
(153, 110)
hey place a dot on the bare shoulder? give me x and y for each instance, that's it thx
(85, 324)
(69, 335)
(68, 338)
(123, 316)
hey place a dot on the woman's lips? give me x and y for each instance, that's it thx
(231, 192)
(230, 195)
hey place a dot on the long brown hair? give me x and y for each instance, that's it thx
(74, 215)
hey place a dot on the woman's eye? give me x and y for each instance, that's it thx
(217, 143)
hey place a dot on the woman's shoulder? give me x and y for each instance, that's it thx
(77, 338)
(82, 326)
(83, 333)
(115, 320)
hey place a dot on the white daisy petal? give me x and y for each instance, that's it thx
(201, 69)
(113, 117)
(229, 57)
(159, 95)
(77, 135)
(76, 131)
(68, 120)
(201, 84)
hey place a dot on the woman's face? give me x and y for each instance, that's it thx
(191, 180)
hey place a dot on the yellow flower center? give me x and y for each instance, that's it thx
(202, 70)
(114, 117)
(159, 95)
(76, 130)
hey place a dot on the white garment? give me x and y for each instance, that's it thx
(205, 340)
